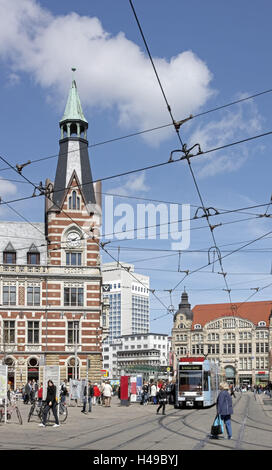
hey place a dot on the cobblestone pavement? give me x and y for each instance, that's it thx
(138, 427)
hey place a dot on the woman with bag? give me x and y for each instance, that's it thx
(224, 407)
(162, 398)
(51, 402)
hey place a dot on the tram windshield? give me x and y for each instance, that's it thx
(190, 380)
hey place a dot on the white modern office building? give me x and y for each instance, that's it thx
(151, 349)
(128, 294)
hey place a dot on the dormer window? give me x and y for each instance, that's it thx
(33, 255)
(74, 201)
(262, 323)
(9, 255)
(197, 326)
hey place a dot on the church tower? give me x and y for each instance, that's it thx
(72, 223)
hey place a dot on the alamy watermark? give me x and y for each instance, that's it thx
(148, 222)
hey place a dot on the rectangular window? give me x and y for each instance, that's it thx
(73, 332)
(9, 295)
(261, 347)
(9, 257)
(73, 259)
(9, 331)
(33, 332)
(73, 296)
(197, 349)
(33, 258)
(33, 295)
(229, 348)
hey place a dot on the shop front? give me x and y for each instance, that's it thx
(245, 379)
(262, 377)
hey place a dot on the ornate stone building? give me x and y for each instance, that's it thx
(239, 338)
(50, 274)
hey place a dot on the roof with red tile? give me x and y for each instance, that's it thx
(252, 311)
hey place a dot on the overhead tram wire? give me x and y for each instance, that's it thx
(188, 159)
(25, 219)
(225, 256)
(134, 134)
(153, 291)
(156, 165)
(155, 70)
(176, 126)
(81, 229)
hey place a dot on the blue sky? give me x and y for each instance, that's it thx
(207, 54)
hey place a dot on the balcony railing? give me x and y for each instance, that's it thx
(31, 269)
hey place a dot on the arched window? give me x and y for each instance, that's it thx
(74, 201)
(72, 371)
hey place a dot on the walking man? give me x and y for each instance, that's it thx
(28, 389)
(107, 394)
(90, 396)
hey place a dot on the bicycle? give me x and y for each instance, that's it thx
(38, 410)
(11, 407)
(35, 409)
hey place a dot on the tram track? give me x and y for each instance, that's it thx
(186, 430)
(154, 420)
(105, 437)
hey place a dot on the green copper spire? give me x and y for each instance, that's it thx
(73, 110)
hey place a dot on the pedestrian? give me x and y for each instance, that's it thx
(102, 398)
(168, 391)
(173, 393)
(32, 391)
(90, 396)
(28, 389)
(153, 393)
(40, 394)
(51, 402)
(162, 399)
(224, 407)
(232, 392)
(145, 394)
(63, 391)
(96, 395)
(107, 392)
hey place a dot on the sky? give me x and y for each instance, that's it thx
(207, 54)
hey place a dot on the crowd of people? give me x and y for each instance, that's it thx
(158, 392)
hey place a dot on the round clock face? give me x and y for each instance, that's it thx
(73, 240)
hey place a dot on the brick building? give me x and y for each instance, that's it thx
(50, 274)
(238, 338)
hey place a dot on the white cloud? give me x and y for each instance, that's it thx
(6, 188)
(112, 70)
(242, 122)
(133, 184)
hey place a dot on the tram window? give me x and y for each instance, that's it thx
(190, 380)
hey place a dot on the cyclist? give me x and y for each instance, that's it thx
(51, 402)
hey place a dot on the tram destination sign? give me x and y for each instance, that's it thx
(190, 367)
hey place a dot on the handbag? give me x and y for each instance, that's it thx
(217, 426)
